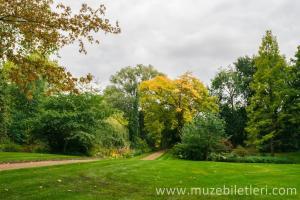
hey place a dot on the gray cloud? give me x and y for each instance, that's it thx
(178, 36)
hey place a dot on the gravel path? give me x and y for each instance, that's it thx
(153, 156)
(10, 166)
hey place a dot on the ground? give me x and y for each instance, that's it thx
(138, 179)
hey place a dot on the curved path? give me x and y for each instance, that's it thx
(10, 166)
(154, 156)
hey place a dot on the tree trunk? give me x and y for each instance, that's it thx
(272, 146)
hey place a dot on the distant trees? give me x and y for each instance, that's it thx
(169, 104)
(124, 95)
(259, 99)
(232, 87)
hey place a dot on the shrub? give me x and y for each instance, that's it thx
(200, 137)
(248, 159)
(240, 151)
(9, 146)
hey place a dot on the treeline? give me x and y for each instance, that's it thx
(252, 105)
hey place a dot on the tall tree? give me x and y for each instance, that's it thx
(124, 94)
(168, 104)
(232, 86)
(290, 115)
(269, 84)
(245, 69)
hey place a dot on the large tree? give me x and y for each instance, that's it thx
(168, 104)
(124, 94)
(232, 87)
(269, 86)
(290, 115)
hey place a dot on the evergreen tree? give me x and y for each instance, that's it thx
(290, 115)
(269, 86)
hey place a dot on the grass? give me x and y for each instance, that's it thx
(137, 179)
(12, 157)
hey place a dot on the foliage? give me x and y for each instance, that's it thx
(169, 104)
(39, 26)
(4, 106)
(29, 26)
(25, 113)
(123, 94)
(201, 137)
(69, 122)
(232, 87)
(269, 86)
(245, 69)
(38, 68)
(249, 159)
(290, 115)
(113, 133)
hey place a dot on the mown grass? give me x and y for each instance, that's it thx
(12, 157)
(138, 179)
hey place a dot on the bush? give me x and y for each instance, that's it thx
(200, 138)
(240, 151)
(113, 133)
(219, 157)
(9, 146)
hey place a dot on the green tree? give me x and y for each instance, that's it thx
(4, 106)
(269, 86)
(201, 137)
(232, 88)
(69, 123)
(290, 115)
(123, 94)
(245, 69)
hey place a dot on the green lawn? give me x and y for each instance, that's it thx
(137, 179)
(10, 157)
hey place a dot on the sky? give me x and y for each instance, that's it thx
(177, 36)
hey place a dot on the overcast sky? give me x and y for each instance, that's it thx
(176, 36)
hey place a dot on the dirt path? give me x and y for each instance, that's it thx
(153, 156)
(10, 166)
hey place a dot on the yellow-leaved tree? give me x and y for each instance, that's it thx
(168, 104)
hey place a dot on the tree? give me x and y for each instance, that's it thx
(245, 69)
(201, 137)
(225, 85)
(269, 86)
(169, 104)
(38, 26)
(29, 26)
(290, 115)
(69, 123)
(4, 106)
(123, 94)
(39, 68)
(232, 88)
